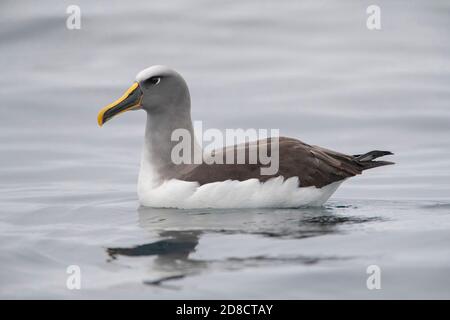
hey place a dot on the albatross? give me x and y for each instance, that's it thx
(307, 175)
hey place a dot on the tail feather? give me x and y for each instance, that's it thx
(371, 155)
(366, 160)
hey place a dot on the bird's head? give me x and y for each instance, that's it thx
(157, 89)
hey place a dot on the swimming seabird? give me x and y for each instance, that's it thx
(308, 175)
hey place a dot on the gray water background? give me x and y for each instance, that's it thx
(310, 68)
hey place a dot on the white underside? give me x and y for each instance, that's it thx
(275, 193)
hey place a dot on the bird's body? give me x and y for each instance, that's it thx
(307, 175)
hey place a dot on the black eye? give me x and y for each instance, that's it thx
(154, 80)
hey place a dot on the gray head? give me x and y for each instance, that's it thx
(157, 90)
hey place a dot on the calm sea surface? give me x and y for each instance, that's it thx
(310, 68)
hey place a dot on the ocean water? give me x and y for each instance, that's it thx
(309, 68)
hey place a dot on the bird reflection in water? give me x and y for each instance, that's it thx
(179, 233)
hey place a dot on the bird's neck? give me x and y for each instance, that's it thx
(157, 164)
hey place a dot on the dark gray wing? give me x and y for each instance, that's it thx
(314, 166)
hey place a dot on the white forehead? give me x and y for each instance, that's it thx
(155, 71)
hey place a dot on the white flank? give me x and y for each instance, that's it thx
(275, 193)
